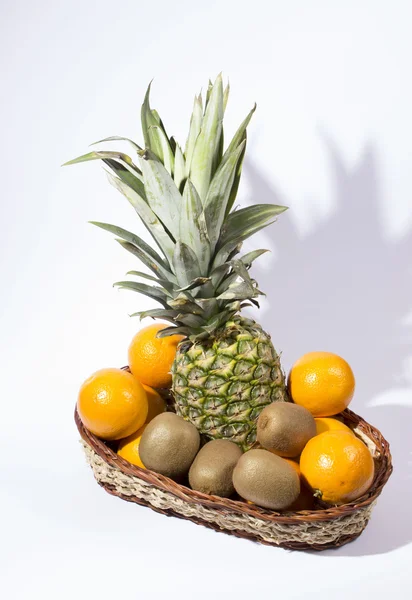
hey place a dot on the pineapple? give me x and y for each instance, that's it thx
(226, 369)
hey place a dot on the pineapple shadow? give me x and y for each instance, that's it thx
(345, 289)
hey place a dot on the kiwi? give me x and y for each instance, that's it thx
(285, 428)
(169, 445)
(212, 469)
(266, 480)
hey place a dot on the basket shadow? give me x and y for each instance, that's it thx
(343, 288)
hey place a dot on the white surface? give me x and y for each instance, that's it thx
(331, 138)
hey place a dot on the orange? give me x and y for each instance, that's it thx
(151, 358)
(327, 424)
(337, 466)
(129, 448)
(322, 382)
(156, 403)
(112, 404)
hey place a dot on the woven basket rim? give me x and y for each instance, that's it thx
(383, 470)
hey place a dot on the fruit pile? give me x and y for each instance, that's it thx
(303, 454)
(234, 424)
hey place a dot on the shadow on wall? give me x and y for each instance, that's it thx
(344, 289)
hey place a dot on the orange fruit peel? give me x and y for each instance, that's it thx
(112, 404)
(328, 424)
(129, 448)
(157, 404)
(337, 466)
(322, 382)
(151, 357)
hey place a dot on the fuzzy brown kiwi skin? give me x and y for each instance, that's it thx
(169, 445)
(285, 428)
(266, 480)
(212, 470)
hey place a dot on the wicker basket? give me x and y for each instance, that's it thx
(315, 529)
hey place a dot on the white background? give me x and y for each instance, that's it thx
(331, 139)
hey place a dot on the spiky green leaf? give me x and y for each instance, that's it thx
(159, 121)
(135, 182)
(208, 140)
(243, 223)
(216, 321)
(218, 273)
(192, 226)
(248, 258)
(161, 147)
(164, 283)
(148, 119)
(236, 181)
(186, 264)
(238, 291)
(121, 164)
(226, 96)
(172, 331)
(119, 157)
(241, 271)
(239, 136)
(186, 305)
(238, 270)
(218, 195)
(209, 306)
(118, 138)
(195, 126)
(162, 194)
(149, 219)
(180, 168)
(156, 116)
(150, 291)
(198, 282)
(208, 92)
(146, 260)
(157, 313)
(128, 236)
(189, 320)
(154, 133)
(226, 282)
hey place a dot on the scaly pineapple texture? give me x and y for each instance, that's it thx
(226, 370)
(222, 386)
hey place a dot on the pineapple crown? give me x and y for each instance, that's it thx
(185, 200)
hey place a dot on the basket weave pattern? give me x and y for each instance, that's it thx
(317, 529)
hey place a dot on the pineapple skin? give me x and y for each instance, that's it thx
(221, 385)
